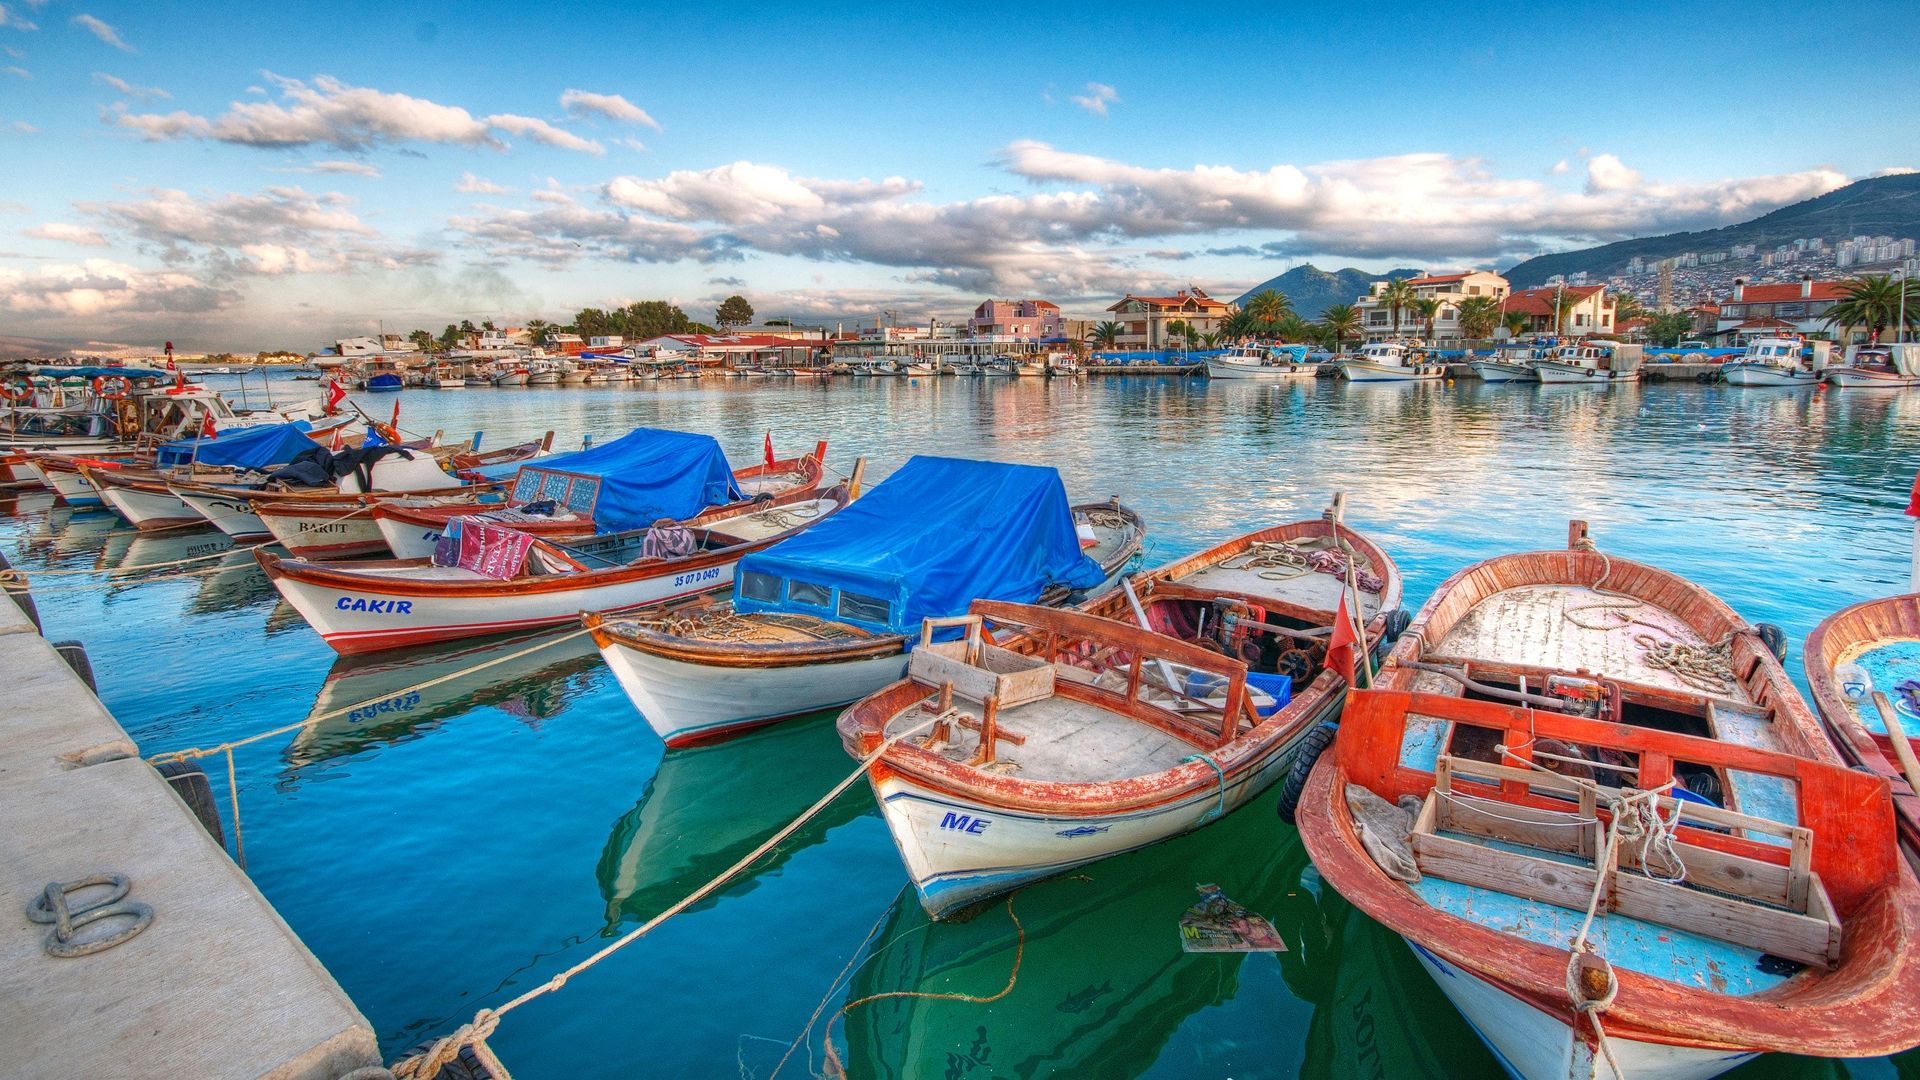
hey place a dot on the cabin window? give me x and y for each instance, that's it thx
(806, 592)
(864, 608)
(759, 586)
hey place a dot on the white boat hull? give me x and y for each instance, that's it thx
(1739, 373)
(1553, 372)
(407, 540)
(686, 702)
(1856, 378)
(1536, 1045)
(326, 535)
(365, 617)
(1220, 369)
(1495, 371)
(149, 509)
(1367, 371)
(958, 852)
(72, 488)
(230, 514)
(518, 379)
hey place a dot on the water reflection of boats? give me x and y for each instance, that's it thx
(1104, 982)
(707, 806)
(536, 686)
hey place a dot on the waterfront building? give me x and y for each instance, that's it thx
(1589, 315)
(1376, 319)
(1770, 310)
(1016, 320)
(1144, 319)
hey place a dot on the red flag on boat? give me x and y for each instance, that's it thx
(206, 427)
(179, 378)
(769, 447)
(335, 395)
(1913, 500)
(1340, 654)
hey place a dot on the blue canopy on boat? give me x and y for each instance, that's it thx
(631, 482)
(934, 537)
(97, 372)
(263, 446)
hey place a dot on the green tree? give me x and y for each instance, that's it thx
(467, 327)
(1268, 306)
(1341, 323)
(733, 311)
(1291, 327)
(450, 336)
(1210, 339)
(1177, 330)
(1106, 335)
(422, 340)
(1428, 309)
(1669, 327)
(537, 330)
(1627, 306)
(1561, 303)
(1398, 296)
(1515, 323)
(1873, 302)
(1240, 324)
(488, 325)
(1478, 316)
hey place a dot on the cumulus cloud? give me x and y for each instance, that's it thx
(610, 106)
(469, 184)
(67, 234)
(328, 112)
(98, 287)
(279, 230)
(1605, 172)
(143, 93)
(107, 34)
(1097, 98)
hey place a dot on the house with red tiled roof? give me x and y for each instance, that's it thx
(1798, 307)
(1144, 319)
(1589, 311)
(1376, 318)
(1016, 320)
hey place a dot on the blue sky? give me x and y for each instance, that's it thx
(243, 177)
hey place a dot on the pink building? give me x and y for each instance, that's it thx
(1019, 320)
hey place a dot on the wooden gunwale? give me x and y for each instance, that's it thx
(344, 576)
(1861, 1009)
(730, 654)
(1889, 618)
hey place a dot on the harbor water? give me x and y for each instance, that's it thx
(446, 849)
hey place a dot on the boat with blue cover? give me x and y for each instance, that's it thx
(1060, 738)
(1863, 667)
(1261, 362)
(1586, 794)
(820, 620)
(241, 458)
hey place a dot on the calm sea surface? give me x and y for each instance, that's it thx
(456, 847)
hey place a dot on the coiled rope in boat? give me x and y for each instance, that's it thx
(1704, 667)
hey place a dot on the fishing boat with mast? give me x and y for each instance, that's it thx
(1777, 361)
(1390, 361)
(679, 528)
(1143, 714)
(1512, 362)
(827, 617)
(1863, 666)
(1586, 794)
(1590, 363)
(1258, 361)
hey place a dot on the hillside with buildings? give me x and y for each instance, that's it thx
(1870, 224)
(1313, 290)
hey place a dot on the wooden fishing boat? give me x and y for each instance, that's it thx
(1883, 367)
(232, 509)
(18, 471)
(1261, 362)
(1777, 361)
(825, 620)
(1509, 363)
(1572, 734)
(1591, 363)
(409, 528)
(386, 604)
(1871, 649)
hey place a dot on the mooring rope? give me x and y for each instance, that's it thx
(1704, 667)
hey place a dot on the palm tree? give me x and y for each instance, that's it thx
(1178, 328)
(1515, 323)
(1106, 335)
(1428, 308)
(1268, 306)
(1341, 321)
(1240, 324)
(1210, 339)
(1562, 305)
(537, 330)
(1398, 296)
(1478, 316)
(1874, 301)
(1291, 327)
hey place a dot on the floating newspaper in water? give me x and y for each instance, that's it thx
(1217, 924)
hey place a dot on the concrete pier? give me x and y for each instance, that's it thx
(216, 986)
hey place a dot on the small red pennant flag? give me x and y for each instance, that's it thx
(769, 448)
(335, 395)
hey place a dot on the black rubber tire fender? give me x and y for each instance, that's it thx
(1774, 638)
(24, 599)
(1316, 743)
(75, 654)
(189, 781)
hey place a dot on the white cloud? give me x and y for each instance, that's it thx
(98, 287)
(542, 132)
(469, 184)
(557, 198)
(1560, 168)
(1894, 170)
(24, 128)
(328, 112)
(67, 234)
(632, 144)
(17, 72)
(1605, 172)
(11, 21)
(1097, 98)
(143, 93)
(611, 106)
(107, 34)
(340, 168)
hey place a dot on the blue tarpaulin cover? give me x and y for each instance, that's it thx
(263, 446)
(644, 475)
(931, 539)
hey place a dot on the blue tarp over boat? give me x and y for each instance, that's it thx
(264, 446)
(635, 480)
(98, 372)
(934, 537)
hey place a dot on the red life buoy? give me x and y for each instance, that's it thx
(112, 387)
(15, 391)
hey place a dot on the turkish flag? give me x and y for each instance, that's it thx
(1340, 647)
(335, 395)
(396, 416)
(769, 447)
(206, 427)
(179, 379)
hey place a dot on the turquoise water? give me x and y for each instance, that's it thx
(449, 850)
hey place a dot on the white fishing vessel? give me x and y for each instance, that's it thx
(1777, 361)
(1261, 362)
(1594, 363)
(1886, 367)
(1509, 363)
(1391, 361)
